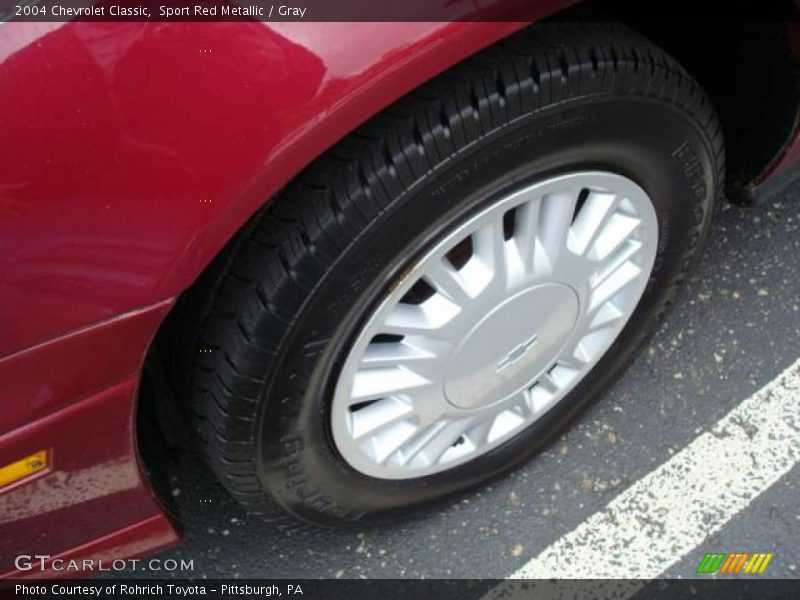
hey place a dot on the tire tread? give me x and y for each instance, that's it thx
(303, 230)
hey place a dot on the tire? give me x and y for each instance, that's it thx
(280, 316)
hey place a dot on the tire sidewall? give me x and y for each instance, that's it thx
(654, 143)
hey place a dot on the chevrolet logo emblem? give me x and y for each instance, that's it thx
(517, 353)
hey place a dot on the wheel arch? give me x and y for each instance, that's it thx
(758, 126)
(750, 72)
(354, 81)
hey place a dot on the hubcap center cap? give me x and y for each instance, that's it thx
(509, 348)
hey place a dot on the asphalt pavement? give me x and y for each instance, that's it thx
(733, 329)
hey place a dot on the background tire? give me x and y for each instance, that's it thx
(283, 305)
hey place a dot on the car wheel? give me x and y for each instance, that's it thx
(429, 303)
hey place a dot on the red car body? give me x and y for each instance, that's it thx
(130, 154)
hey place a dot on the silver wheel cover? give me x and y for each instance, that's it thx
(495, 325)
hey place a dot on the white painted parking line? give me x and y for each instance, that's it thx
(666, 514)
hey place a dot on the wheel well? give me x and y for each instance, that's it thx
(749, 75)
(746, 64)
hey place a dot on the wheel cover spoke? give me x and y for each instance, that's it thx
(495, 325)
